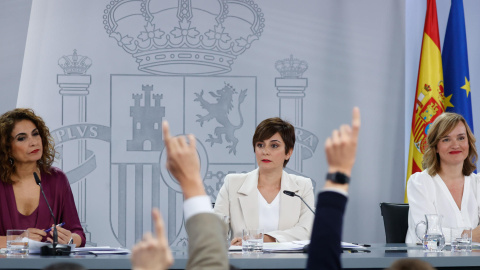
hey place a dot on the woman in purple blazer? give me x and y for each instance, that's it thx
(26, 147)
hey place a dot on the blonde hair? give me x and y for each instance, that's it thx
(443, 125)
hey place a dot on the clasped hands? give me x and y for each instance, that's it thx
(64, 235)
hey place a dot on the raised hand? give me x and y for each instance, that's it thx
(341, 147)
(153, 252)
(183, 162)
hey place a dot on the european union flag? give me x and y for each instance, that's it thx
(458, 97)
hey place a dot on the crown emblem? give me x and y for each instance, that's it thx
(185, 38)
(74, 64)
(291, 68)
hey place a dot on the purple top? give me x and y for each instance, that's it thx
(59, 195)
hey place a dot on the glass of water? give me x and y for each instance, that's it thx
(461, 239)
(252, 241)
(17, 242)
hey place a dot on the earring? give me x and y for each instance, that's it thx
(11, 161)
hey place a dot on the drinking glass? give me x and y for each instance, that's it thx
(17, 242)
(252, 241)
(461, 239)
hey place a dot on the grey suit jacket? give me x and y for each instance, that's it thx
(207, 248)
(238, 199)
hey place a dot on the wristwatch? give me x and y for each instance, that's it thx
(70, 241)
(338, 177)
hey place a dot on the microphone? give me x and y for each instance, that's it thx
(293, 194)
(53, 249)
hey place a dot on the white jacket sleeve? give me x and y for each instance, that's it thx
(222, 203)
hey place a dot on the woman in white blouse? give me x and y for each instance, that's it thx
(255, 200)
(448, 185)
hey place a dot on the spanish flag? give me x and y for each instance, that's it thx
(429, 97)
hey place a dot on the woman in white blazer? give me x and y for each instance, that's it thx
(255, 200)
(448, 185)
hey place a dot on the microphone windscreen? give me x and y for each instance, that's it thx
(289, 193)
(36, 178)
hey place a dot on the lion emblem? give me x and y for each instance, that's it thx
(220, 111)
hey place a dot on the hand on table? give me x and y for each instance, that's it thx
(476, 234)
(36, 234)
(152, 252)
(237, 241)
(64, 235)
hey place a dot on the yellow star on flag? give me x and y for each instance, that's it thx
(466, 87)
(447, 101)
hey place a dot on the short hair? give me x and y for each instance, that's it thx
(443, 125)
(410, 264)
(7, 123)
(268, 127)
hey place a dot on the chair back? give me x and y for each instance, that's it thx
(395, 220)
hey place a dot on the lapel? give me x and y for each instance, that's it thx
(248, 199)
(288, 205)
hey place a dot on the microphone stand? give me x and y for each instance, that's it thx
(293, 194)
(53, 249)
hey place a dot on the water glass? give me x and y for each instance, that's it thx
(461, 239)
(17, 242)
(252, 241)
(226, 221)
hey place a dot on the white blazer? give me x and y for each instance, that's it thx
(238, 199)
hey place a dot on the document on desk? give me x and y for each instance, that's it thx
(283, 247)
(101, 250)
(35, 246)
(347, 245)
(344, 244)
(295, 246)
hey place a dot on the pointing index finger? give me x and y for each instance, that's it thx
(158, 223)
(355, 121)
(166, 131)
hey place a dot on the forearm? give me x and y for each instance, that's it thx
(77, 240)
(325, 248)
(3, 241)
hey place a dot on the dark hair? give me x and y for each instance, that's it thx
(7, 123)
(410, 264)
(443, 125)
(268, 127)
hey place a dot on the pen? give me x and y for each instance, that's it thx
(356, 250)
(363, 245)
(49, 229)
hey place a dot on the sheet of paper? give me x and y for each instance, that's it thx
(281, 247)
(351, 245)
(35, 246)
(101, 250)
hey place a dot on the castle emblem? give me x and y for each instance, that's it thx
(189, 37)
(219, 111)
(146, 122)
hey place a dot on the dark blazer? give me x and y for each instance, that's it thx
(207, 248)
(325, 248)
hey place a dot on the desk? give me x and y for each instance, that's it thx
(380, 257)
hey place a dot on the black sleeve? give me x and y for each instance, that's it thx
(325, 249)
